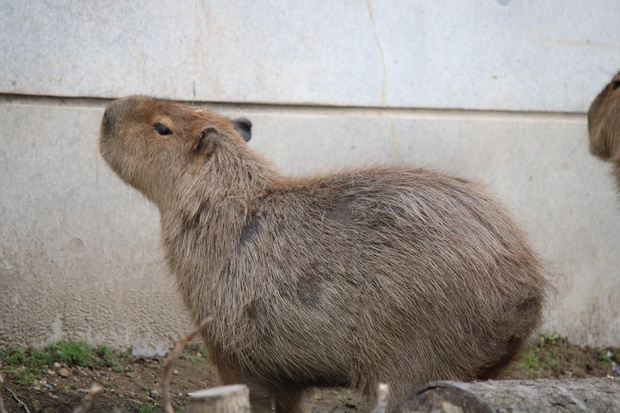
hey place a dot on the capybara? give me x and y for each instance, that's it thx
(604, 125)
(350, 278)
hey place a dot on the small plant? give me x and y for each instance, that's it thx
(26, 365)
(24, 375)
(204, 352)
(551, 338)
(30, 357)
(542, 354)
(106, 384)
(193, 359)
(75, 353)
(146, 406)
(104, 356)
(13, 355)
(530, 360)
(606, 356)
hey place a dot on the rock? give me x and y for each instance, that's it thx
(51, 373)
(154, 394)
(57, 365)
(63, 372)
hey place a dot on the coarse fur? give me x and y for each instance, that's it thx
(386, 274)
(604, 125)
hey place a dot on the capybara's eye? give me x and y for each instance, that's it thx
(162, 129)
(615, 84)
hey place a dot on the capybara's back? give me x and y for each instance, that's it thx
(604, 125)
(386, 274)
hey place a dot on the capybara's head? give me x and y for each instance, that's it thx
(150, 143)
(604, 122)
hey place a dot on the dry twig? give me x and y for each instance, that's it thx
(94, 390)
(176, 351)
(19, 402)
(382, 398)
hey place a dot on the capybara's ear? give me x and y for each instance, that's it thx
(207, 141)
(244, 127)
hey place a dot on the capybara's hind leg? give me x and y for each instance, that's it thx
(289, 401)
(261, 401)
(513, 349)
(263, 398)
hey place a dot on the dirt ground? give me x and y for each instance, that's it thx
(133, 385)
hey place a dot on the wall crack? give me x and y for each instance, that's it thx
(374, 32)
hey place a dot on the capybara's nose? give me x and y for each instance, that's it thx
(106, 123)
(110, 116)
(112, 110)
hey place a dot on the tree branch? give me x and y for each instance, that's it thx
(19, 402)
(176, 351)
(95, 390)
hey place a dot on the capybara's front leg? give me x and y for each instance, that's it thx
(290, 401)
(263, 396)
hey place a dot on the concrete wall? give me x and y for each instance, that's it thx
(494, 90)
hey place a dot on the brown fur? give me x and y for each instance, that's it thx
(387, 274)
(604, 125)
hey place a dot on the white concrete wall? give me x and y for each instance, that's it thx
(495, 90)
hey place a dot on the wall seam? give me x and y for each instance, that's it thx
(306, 109)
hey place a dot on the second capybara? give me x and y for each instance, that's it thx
(604, 125)
(390, 274)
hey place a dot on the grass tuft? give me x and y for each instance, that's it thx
(26, 365)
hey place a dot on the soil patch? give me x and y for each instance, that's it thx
(132, 384)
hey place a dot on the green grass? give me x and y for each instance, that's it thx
(146, 407)
(538, 355)
(28, 364)
(605, 356)
(196, 355)
(609, 355)
(550, 338)
(72, 353)
(550, 352)
(530, 360)
(193, 359)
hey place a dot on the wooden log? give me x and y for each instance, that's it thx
(225, 399)
(383, 392)
(2, 408)
(523, 396)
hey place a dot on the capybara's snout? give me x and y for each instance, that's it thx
(113, 114)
